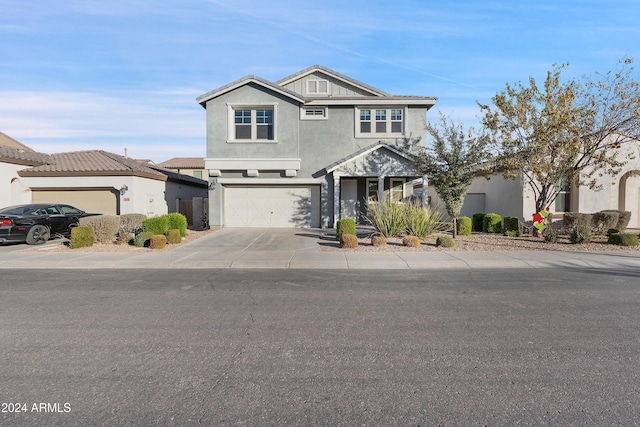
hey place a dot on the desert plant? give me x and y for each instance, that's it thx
(348, 241)
(388, 219)
(378, 240)
(604, 220)
(623, 239)
(411, 241)
(142, 239)
(81, 236)
(477, 220)
(623, 218)
(445, 242)
(156, 224)
(177, 221)
(550, 235)
(345, 226)
(158, 241)
(512, 226)
(131, 223)
(105, 227)
(580, 234)
(492, 223)
(421, 221)
(571, 219)
(464, 226)
(173, 236)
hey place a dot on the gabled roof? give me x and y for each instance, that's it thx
(202, 99)
(329, 72)
(20, 156)
(7, 141)
(183, 163)
(367, 150)
(93, 163)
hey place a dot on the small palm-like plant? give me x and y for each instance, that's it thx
(388, 219)
(422, 222)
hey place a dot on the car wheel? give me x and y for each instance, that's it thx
(38, 235)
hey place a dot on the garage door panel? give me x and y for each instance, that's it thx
(92, 201)
(272, 206)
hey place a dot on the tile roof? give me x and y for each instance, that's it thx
(92, 162)
(183, 163)
(7, 141)
(20, 156)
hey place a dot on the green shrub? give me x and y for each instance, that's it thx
(158, 241)
(348, 241)
(156, 224)
(492, 223)
(388, 219)
(81, 236)
(463, 226)
(445, 241)
(173, 237)
(572, 219)
(142, 239)
(604, 220)
(411, 241)
(477, 221)
(612, 231)
(580, 234)
(512, 226)
(623, 239)
(177, 221)
(421, 221)
(105, 227)
(345, 226)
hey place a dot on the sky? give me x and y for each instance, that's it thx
(115, 74)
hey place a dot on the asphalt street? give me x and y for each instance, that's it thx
(319, 347)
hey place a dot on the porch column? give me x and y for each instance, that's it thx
(381, 190)
(336, 198)
(425, 186)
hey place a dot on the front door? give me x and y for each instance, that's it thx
(349, 198)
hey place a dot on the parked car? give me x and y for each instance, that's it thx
(36, 223)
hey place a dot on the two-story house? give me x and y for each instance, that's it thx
(307, 150)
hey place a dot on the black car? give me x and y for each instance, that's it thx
(36, 223)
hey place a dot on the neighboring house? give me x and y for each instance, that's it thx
(307, 150)
(192, 166)
(101, 182)
(515, 197)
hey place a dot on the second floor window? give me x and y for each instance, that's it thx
(380, 121)
(253, 124)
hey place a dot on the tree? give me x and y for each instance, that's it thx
(568, 130)
(452, 161)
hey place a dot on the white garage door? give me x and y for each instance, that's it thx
(272, 206)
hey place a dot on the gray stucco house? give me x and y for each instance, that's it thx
(307, 150)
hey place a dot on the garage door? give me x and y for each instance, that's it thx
(272, 206)
(92, 201)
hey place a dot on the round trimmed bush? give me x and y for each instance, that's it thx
(411, 241)
(345, 226)
(174, 237)
(581, 234)
(82, 236)
(378, 240)
(445, 242)
(476, 221)
(348, 241)
(158, 241)
(492, 223)
(463, 226)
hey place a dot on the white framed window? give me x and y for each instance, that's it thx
(376, 122)
(252, 123)
(396, 191)
(318, 87)
(313, 113)
(372, 191)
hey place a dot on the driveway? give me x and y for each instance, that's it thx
(259, 240)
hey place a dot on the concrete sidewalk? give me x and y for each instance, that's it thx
(301, 249)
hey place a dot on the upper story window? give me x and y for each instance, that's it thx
(380, 121)
(317, 87)
(249, 124)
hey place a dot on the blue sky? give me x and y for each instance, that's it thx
(98, 74)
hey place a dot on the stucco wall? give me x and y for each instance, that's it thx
(12, 193)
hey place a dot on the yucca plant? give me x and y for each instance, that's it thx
(388, 219)
(422, 222)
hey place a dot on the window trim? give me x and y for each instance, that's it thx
(254, 106)
(374, 110)
(304, 116)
